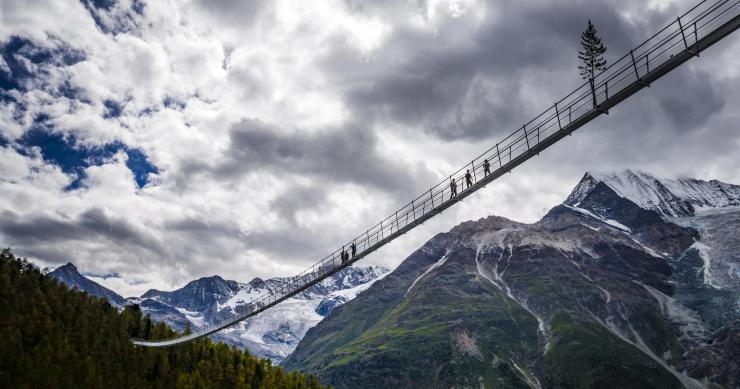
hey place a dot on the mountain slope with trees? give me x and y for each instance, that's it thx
(55, 337)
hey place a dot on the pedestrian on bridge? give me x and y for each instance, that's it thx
(468, 179)
(353, 247)
(453, 188)
(486, 168)
(344, 255)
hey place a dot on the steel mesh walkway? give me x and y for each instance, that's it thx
(699, 28)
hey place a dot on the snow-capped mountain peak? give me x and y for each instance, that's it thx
(272, 334)
(198, 294)
(668, 197)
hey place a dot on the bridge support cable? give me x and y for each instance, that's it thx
(708, 22)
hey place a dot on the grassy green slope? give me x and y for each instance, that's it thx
(436, 336)
(455, 328)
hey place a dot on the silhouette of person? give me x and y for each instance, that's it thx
(453, 188)
(343, 255)
(353, 247)
(468, 179)
(486, 168)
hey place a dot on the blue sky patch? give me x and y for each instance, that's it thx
(104, 276)
(113, 109)
(114, 21)
(16, 49)
(139, 165)
(73, 158)
(173, 103)
(101, 4)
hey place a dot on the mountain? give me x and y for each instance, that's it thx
(630, 282)
(681, 197)
(69, 276)
(197, 295)
(275, 333)
(272, 334)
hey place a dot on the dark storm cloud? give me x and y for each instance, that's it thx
(684, 119)
(91, 224)
(346, 155)
(282, 244)
(197, 227)
(298, 198)
(474, 88)
(233, 12)
(278, 242)
(465, 88)
(690, 104)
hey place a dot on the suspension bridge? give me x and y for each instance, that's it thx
(686, 37)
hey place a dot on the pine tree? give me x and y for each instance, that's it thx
(591, 56)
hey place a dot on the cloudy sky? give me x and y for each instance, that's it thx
(153, 142)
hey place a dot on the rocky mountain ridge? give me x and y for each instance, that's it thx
(273, 334)
(669, 197)
(70, 276)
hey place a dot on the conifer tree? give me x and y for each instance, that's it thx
(591, 56)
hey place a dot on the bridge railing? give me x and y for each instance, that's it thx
(681, 36)
(674, 38)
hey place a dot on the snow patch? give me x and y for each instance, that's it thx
(586, 225)
(536, 240)
(529, 378)
(691, 325)
(640, 344)
(647, 249)
(703, 251)
(606, 293)
(437, 264)
(242, 297)
(610, 222)
(351, 293)
(196, 318)
(497, 280)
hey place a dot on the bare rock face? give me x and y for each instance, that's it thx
(606, 290)
(70, 276)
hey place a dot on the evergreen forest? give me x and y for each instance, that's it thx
(55, 337)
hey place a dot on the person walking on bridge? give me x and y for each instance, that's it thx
(353, 247)
(453, 188)
(468, 179)
(343, 255)
(486, 168)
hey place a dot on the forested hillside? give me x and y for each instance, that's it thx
(54, 337)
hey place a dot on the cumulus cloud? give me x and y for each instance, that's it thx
(267, 133)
